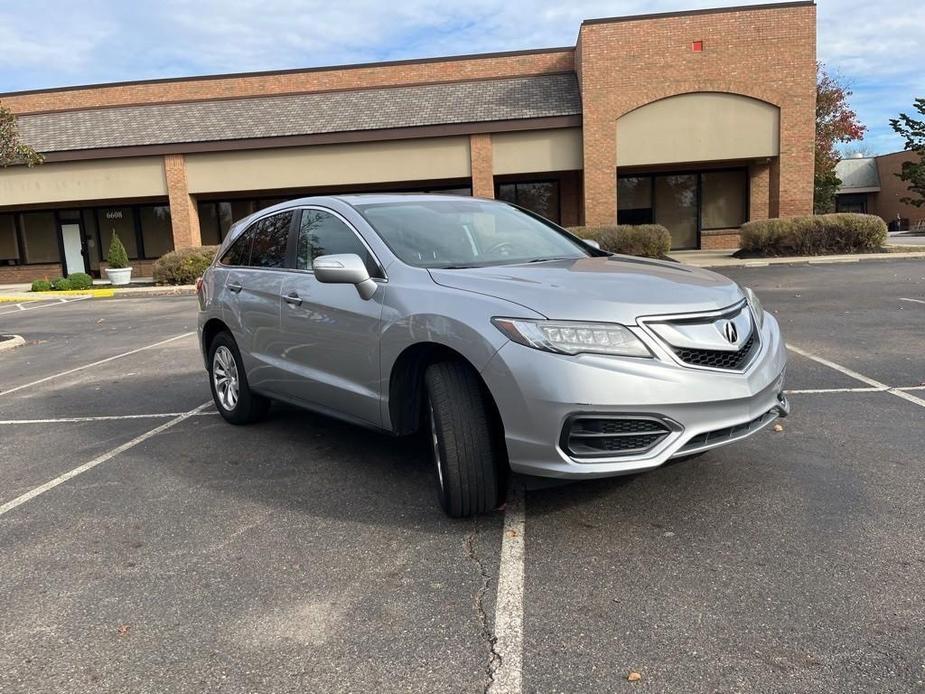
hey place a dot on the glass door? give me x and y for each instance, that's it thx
(73, 248)
(676, 208)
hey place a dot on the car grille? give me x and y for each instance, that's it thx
(612, 436)
(718, 436)
(720, 359)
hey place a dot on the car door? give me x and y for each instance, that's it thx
(252, 297)
(332, 334)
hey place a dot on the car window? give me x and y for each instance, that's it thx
(240, 252)
(271, 235)
(322, 233)
(444, 233)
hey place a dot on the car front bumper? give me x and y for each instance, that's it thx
(538, 392)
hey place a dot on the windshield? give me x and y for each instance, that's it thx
(466, 233)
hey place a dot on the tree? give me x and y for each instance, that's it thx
(12, 149)
(913, 172)
(835, 123)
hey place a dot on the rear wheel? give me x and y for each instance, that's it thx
(232, 395)
(464, 450)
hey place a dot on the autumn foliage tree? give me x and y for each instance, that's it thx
(12, 149)
(913, 173)
(835, 123)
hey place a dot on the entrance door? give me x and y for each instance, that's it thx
(676, 208)
(73, 250)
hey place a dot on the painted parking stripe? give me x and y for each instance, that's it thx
(509, 605)
(915, 301)
(61, 479)
(100, 418)
(96, 363)
(57, 302)
(858, 376)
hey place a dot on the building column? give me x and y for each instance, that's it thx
(600, 171)
(793, 169)
(184, 215)
(759, 191)
(481, 163)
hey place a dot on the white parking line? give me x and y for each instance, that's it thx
(51, 484)
(509, 605)
(915, 301)
(100, 418)
(96, 363)
(53, 302)
(900, 393)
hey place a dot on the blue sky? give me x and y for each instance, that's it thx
(877, 46)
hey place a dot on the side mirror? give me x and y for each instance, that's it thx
(345, 268)
(592, 243)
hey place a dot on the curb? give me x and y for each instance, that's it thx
(44, 296)
(182, 290)
(808, 260)
(17, 341)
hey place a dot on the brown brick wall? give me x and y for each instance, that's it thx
(24, 274)
(531, 63)
(570, 209)
(759, 183)
(481, 161)
(892, 188)
(183, 211)
(764, 53)
(716, 242)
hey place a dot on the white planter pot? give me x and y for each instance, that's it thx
(122, 275)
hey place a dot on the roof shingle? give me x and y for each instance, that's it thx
(305, 114)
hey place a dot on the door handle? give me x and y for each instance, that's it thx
(292, 299)
(234, 287)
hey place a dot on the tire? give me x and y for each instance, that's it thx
(233, 397)
(463, 445)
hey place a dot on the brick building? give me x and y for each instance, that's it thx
(871, 185)
(697, 120)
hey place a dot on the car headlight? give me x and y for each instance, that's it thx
(757, 308)
(569, 337)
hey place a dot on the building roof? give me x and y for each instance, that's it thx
(540, 96)
(858, 175)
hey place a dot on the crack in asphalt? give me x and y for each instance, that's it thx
(488, 635)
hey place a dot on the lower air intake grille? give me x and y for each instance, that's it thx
(718, 359)
(718, 436)
(612, 436)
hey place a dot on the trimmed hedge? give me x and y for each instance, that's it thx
(183, 266)
(41, 286)
(647, 240)
(61, 284)
(822, 234)
(80, 280)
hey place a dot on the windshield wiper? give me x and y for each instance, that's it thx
(549, 260)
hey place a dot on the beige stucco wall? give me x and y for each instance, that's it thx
(329, 165)
(105, 179)
(709, 126)
(537, 150)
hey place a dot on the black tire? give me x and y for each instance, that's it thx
(248, 406)
(463, 446)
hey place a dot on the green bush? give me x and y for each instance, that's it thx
(80, 280)
(183, 266)
(61, 284)
(41, 285)
(822, 234)
(647, 240)
(117, 257)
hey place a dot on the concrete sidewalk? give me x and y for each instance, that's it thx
(100, 289)
(724, 258)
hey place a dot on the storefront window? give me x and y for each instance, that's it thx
(40, 237)
(208, 224)
(156, 231)
(634, 200)
(676, 208)
(120, 220)
(723, 199)
(8, 247)
(541, 197)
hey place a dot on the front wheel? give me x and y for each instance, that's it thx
(467, 462)
(232, 395)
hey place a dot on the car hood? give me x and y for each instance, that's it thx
(609, 289)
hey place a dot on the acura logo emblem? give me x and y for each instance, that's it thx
(730, 332)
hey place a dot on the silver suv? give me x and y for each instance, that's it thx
(510, 343)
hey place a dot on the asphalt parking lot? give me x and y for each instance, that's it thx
(302, 554)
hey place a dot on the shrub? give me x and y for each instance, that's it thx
(814, 235)
(61, 284)
(117, 257)
(647, 240)
(184, 265)
(41, 285)
(80, 280)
